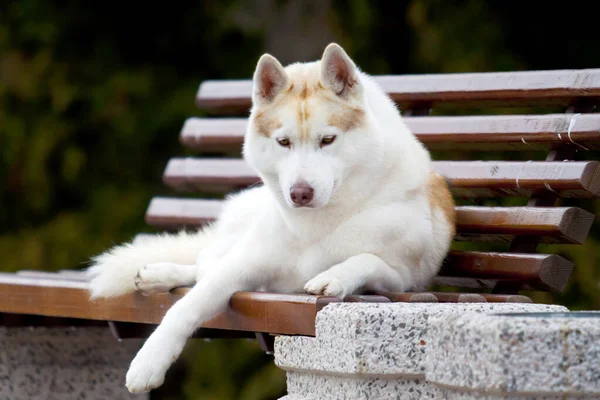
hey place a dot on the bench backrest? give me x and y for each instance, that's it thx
(506, 207)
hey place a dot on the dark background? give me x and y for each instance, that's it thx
(93, 96)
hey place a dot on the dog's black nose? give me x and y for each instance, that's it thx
(302, 194)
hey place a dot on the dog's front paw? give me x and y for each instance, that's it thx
(148, 368)
(327, 285)
(143, 376)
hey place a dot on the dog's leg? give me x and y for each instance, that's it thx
(363, 271)
(164, 276)
(209, 297)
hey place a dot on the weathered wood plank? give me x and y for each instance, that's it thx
(453, 297)
(366, 299)
(572, 179)
(170, 213)
(536, 271)
(207, 133)
(464, 89)
(495, 132)
(554, 225)
(410, 297)
(506, 298)
(218, 174)
(569, 179)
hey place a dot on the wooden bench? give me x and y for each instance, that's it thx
(544, 120)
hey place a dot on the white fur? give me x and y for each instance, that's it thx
(112, 273)
(370, 225)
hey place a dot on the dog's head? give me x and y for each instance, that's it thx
(309, 130)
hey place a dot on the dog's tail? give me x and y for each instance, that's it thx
(112, 273)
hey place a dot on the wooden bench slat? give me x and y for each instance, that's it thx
(205, 133)
(553, 224)
(469, 283)
(497, 132)
(573, 179)
(508, 132)
(249, 311)
(535, 271)
(506, 298)
(569, 179)
(454, 297)
(464, 89)
(451, 297)
(410, 297)
(175, 213)
(203, 173)
(71, 275)
(366, 299)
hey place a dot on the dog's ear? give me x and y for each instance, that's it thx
(269, 79)
(338, 71)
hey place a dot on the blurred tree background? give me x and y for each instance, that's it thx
(93, 95)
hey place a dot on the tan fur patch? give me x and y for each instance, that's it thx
(265, 125)
(347, 119)
(441, 198)
(304, 93)
(304, 113)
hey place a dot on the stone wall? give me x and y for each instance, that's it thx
(64, 363)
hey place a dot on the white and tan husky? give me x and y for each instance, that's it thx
(349, 203)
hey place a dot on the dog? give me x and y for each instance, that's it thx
(349, 203)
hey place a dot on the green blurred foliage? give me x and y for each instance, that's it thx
(93, 95)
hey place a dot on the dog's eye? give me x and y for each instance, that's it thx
(327, 140)
(285, 142)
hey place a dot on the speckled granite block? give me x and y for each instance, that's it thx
(448, 394)
(541, 354)
(64, 363)
(332, 387)
(388, 357)
(375, 320)
(378, 338)
(360, 346)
